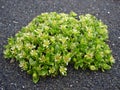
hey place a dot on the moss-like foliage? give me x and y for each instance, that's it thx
(51, 41)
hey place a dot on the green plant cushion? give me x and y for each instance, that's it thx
(51, 41)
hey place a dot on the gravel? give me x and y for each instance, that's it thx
(14, 14)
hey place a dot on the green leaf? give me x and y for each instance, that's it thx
(73, 14)
(35, 77)
(43, 72)
(32, 62)
(106, 66)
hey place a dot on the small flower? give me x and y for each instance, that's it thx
(63, 39)
(112, 60)
(73, 45)
(64, 47)
(57, 57)
(54, 22)
(92, 67)
(6, 52)
(39, 31)
(19, 46)
(52, 39)
(23, 65)
(89, 55)
(89, 33)
(28, 34)
(63, 70)
(29, 46)
(52, 70)
(13, 48)
(42, 58)
(63, 27)
(46, 43)
(20, 39)
(67, 58)
(20, 55)
(75, 31)
(33, 53)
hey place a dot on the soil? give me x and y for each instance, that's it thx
(14, 14)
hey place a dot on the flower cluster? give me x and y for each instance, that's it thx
(51, 41)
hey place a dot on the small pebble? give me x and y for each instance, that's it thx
(9, 24)
(107, 4)
(71, 85)
(31, 11)
(97, 14)
(12, 83)
(1, 89)
(76, 81)
(2, 6)
(23, 86)
(12, 60)
(118, 37)
(15, 22)
(93, 7)
(113, 44)
(108, 12)
(104, 9)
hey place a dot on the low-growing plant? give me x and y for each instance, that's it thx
(51, 41)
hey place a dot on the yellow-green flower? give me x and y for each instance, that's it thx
(46, 43)
(29, 46)
(33, 53)
(92, 67)
(52, 70)
(57, 57)
(63, 70)
(89, 55)
(67, 59)
(52, 39)
(63, 39)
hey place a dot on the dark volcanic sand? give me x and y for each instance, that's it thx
(14, 14)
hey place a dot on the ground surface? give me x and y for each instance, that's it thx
(14, 14)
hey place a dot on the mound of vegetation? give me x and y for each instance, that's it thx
(51, 41)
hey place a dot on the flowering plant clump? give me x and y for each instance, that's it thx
(51, 41)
